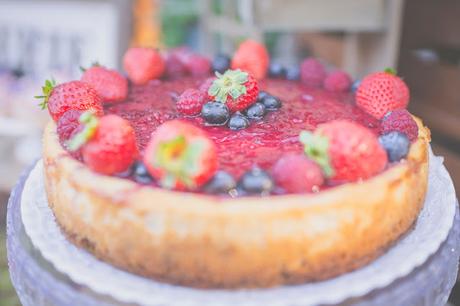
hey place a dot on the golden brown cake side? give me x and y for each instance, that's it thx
(203, 241)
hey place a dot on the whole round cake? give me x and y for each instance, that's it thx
(235, 172)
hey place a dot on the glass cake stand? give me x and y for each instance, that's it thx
(38, 283)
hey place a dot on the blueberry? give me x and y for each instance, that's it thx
(256, 181)
(396, 144)
(271, 103)
(293, 73)
(221, 183)
(256, 111)
(141, 174)
(276, 70)
(215, 113)
(221, 63)
(262, 95)
(355, 85)
(238, 122)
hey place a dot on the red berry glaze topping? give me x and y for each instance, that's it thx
(347, 151)
(109, 84)
(72, 95)
(312, 72)
(337, 81)
(400, 120)
(236, 88)
(252, 57)
(143, 65)
(382, 92)
(191, 101)
(296, 173)
(181, 156)
(108, 144)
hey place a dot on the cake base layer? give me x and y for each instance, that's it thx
(204, 241)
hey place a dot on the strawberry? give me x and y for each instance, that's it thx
(143, 65)
(191, 101)
(109, 84)
(198, 65)
(382, 92)
(181, 156)
(71, 95)
(345, 150)
(296, 173)
(236, 88)
(400, 120)
(252, 57)
(337, 81)
(312, 72)
(107, 144)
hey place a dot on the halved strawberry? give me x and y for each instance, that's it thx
(108, 144)
(345, 150)
(181, 156)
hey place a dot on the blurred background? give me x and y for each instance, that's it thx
(44, 38)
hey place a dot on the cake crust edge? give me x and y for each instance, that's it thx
(203, 241)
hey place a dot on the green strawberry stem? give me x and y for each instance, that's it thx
(90, 123)
(230, 83)
(46, 90)
(316, 148)
(391, 71)
(180, 159)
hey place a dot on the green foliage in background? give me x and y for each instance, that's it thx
(176, 17)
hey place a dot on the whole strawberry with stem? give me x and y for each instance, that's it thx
(345, 150)
(143, 65)
(111, 85)
(382, 92)
(181, 156)
(74, 95)
(108, 144)
(236, 88)
(252, 57)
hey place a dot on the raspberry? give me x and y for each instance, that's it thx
(198, 65)
(68, 124)
(296, 173)
(312, 72)
(337, 81)
(191, 101)
(400, 120)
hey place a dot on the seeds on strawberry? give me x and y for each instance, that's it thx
(74, 95)
(296, 173)
(236, 88)
(252, 57)
(143, 65)
(191, 101)
(382, 92)
(108, 144)
(181, 156)
(109, 84)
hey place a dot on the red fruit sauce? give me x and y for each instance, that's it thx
(262, 144)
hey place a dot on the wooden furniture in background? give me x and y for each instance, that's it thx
(370, 28)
